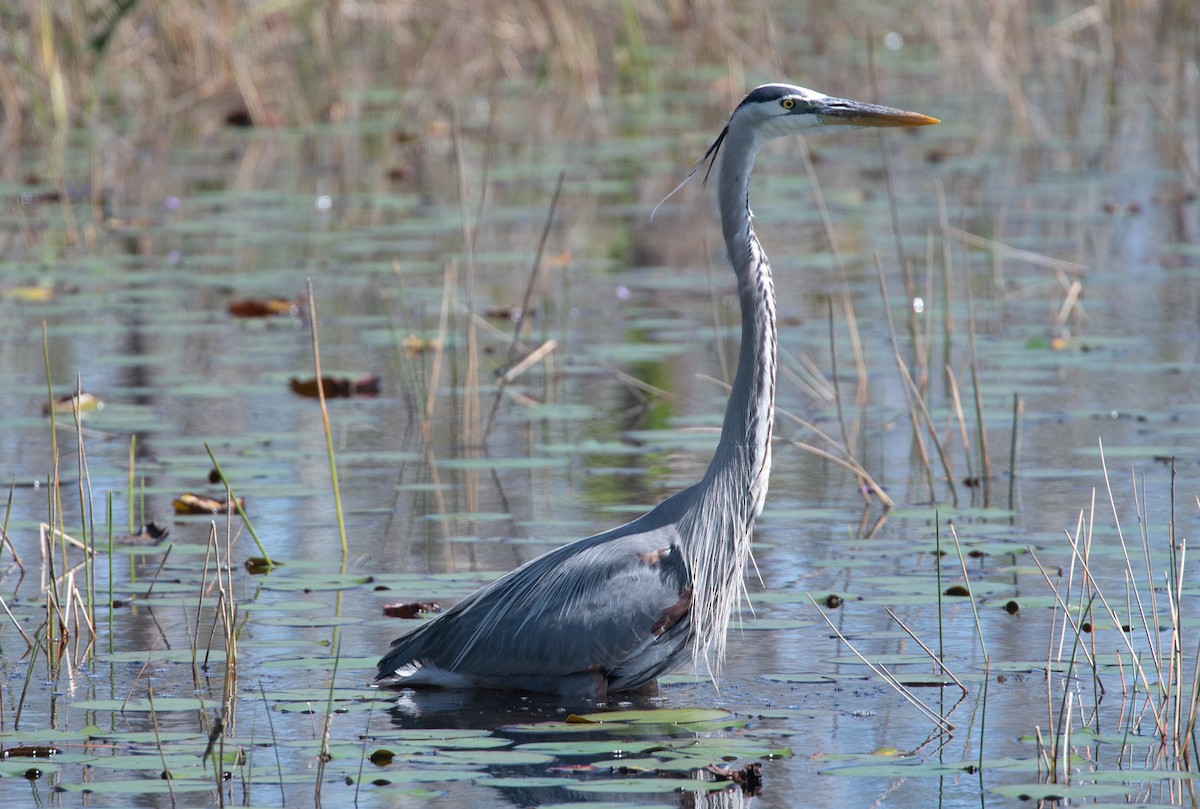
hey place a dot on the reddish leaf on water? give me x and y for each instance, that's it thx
(189, 503)
(336, 387)
(263, 307)
(410, 609)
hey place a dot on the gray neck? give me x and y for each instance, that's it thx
(716, 525)
(743, 457)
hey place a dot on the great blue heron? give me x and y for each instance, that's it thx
(614, 611)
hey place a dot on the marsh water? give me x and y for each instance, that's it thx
(1030, 265)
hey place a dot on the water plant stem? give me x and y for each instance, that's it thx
(333, 475)
(236, 505)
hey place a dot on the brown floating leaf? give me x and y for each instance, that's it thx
(514, 313)
(336, 387)
(410, 609)
(66, 403)
(417, 345)
(29, 751)
(268, 307)
(188, 503)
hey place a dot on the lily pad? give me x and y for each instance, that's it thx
(651, 785)
(660, 716)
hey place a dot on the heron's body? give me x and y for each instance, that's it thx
(614, 611)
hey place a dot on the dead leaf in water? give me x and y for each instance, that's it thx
(86, 402)
(410, 609)
(259, 307)
(418, 345)
(189, 503)
(29, 751)
(336, 387)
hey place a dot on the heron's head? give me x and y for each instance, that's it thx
(775, 110)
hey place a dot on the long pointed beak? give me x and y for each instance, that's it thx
(844, 112)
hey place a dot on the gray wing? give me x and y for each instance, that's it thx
(616, 603)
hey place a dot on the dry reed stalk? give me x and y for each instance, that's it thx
(936, 658)
(960, 418)
(962, 561)
(4, 538)
(333, 475)
(885, 675)
(162, 751)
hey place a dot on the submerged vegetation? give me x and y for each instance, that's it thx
(985, 328)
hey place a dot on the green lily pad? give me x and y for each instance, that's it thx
(139, 786)
(590, 747)
(324, 663)
(659, 716)
(531, 782)
(1062, 792)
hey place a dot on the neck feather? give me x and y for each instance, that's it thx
(735, 485)
(743, 457)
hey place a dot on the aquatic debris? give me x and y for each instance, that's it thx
(749, 778)
(68, 403)
(381, 757)
(410, 609)
(336, 387)
(29, 751)
(414, 344)
(514, 313)
(264, 307)
(258, 565)
(189, 503)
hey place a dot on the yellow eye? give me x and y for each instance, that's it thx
(788, 103)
